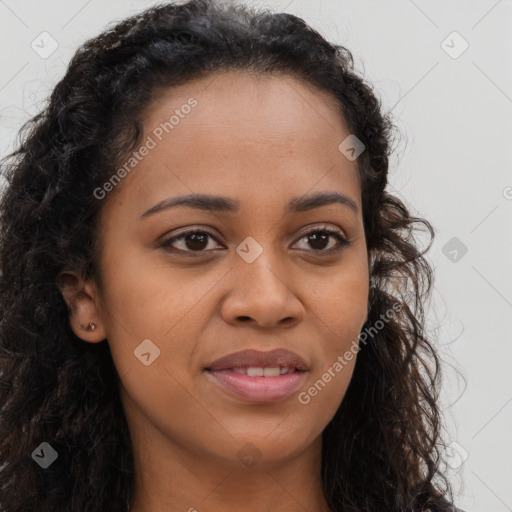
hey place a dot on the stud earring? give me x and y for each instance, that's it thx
(91, 326)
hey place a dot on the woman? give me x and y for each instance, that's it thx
(208, 298)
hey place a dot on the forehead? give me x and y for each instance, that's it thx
(239, 134)
(263, 106)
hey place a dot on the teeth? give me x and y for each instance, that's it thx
(271, 372)
(254, 371)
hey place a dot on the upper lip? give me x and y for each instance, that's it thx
(255, 358)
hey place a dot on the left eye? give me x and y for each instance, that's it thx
(320, 236)
(196, 241)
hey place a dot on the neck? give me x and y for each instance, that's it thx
(180, 482)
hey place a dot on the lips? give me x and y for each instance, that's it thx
(278, 358)
(255, 376)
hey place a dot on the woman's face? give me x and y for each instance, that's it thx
(251, 279)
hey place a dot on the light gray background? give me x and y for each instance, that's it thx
(452, 167)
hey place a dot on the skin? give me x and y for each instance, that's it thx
(262, 141)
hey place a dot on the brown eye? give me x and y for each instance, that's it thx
(190, 241)
(201, 242)
(319, 239)
(196, 241)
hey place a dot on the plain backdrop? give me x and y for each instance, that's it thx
(443, 69)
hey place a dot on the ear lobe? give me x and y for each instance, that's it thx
(80, 296)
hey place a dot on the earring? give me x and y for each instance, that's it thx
(91, 325)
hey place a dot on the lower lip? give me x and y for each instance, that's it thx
(258, 389)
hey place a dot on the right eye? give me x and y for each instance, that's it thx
(192, 241)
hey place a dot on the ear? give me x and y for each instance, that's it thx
(82, 299)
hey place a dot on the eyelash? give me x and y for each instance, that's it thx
(343, 242)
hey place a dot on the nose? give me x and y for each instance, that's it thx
(262, 295)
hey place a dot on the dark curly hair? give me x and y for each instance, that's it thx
(381, 451)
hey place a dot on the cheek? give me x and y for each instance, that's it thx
(142, 301)
(341, 307)
(323, 394)
(144, 295)
(341, 303)
(161, 396)
(336, 358)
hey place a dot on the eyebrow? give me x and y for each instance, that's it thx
(227, 204)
